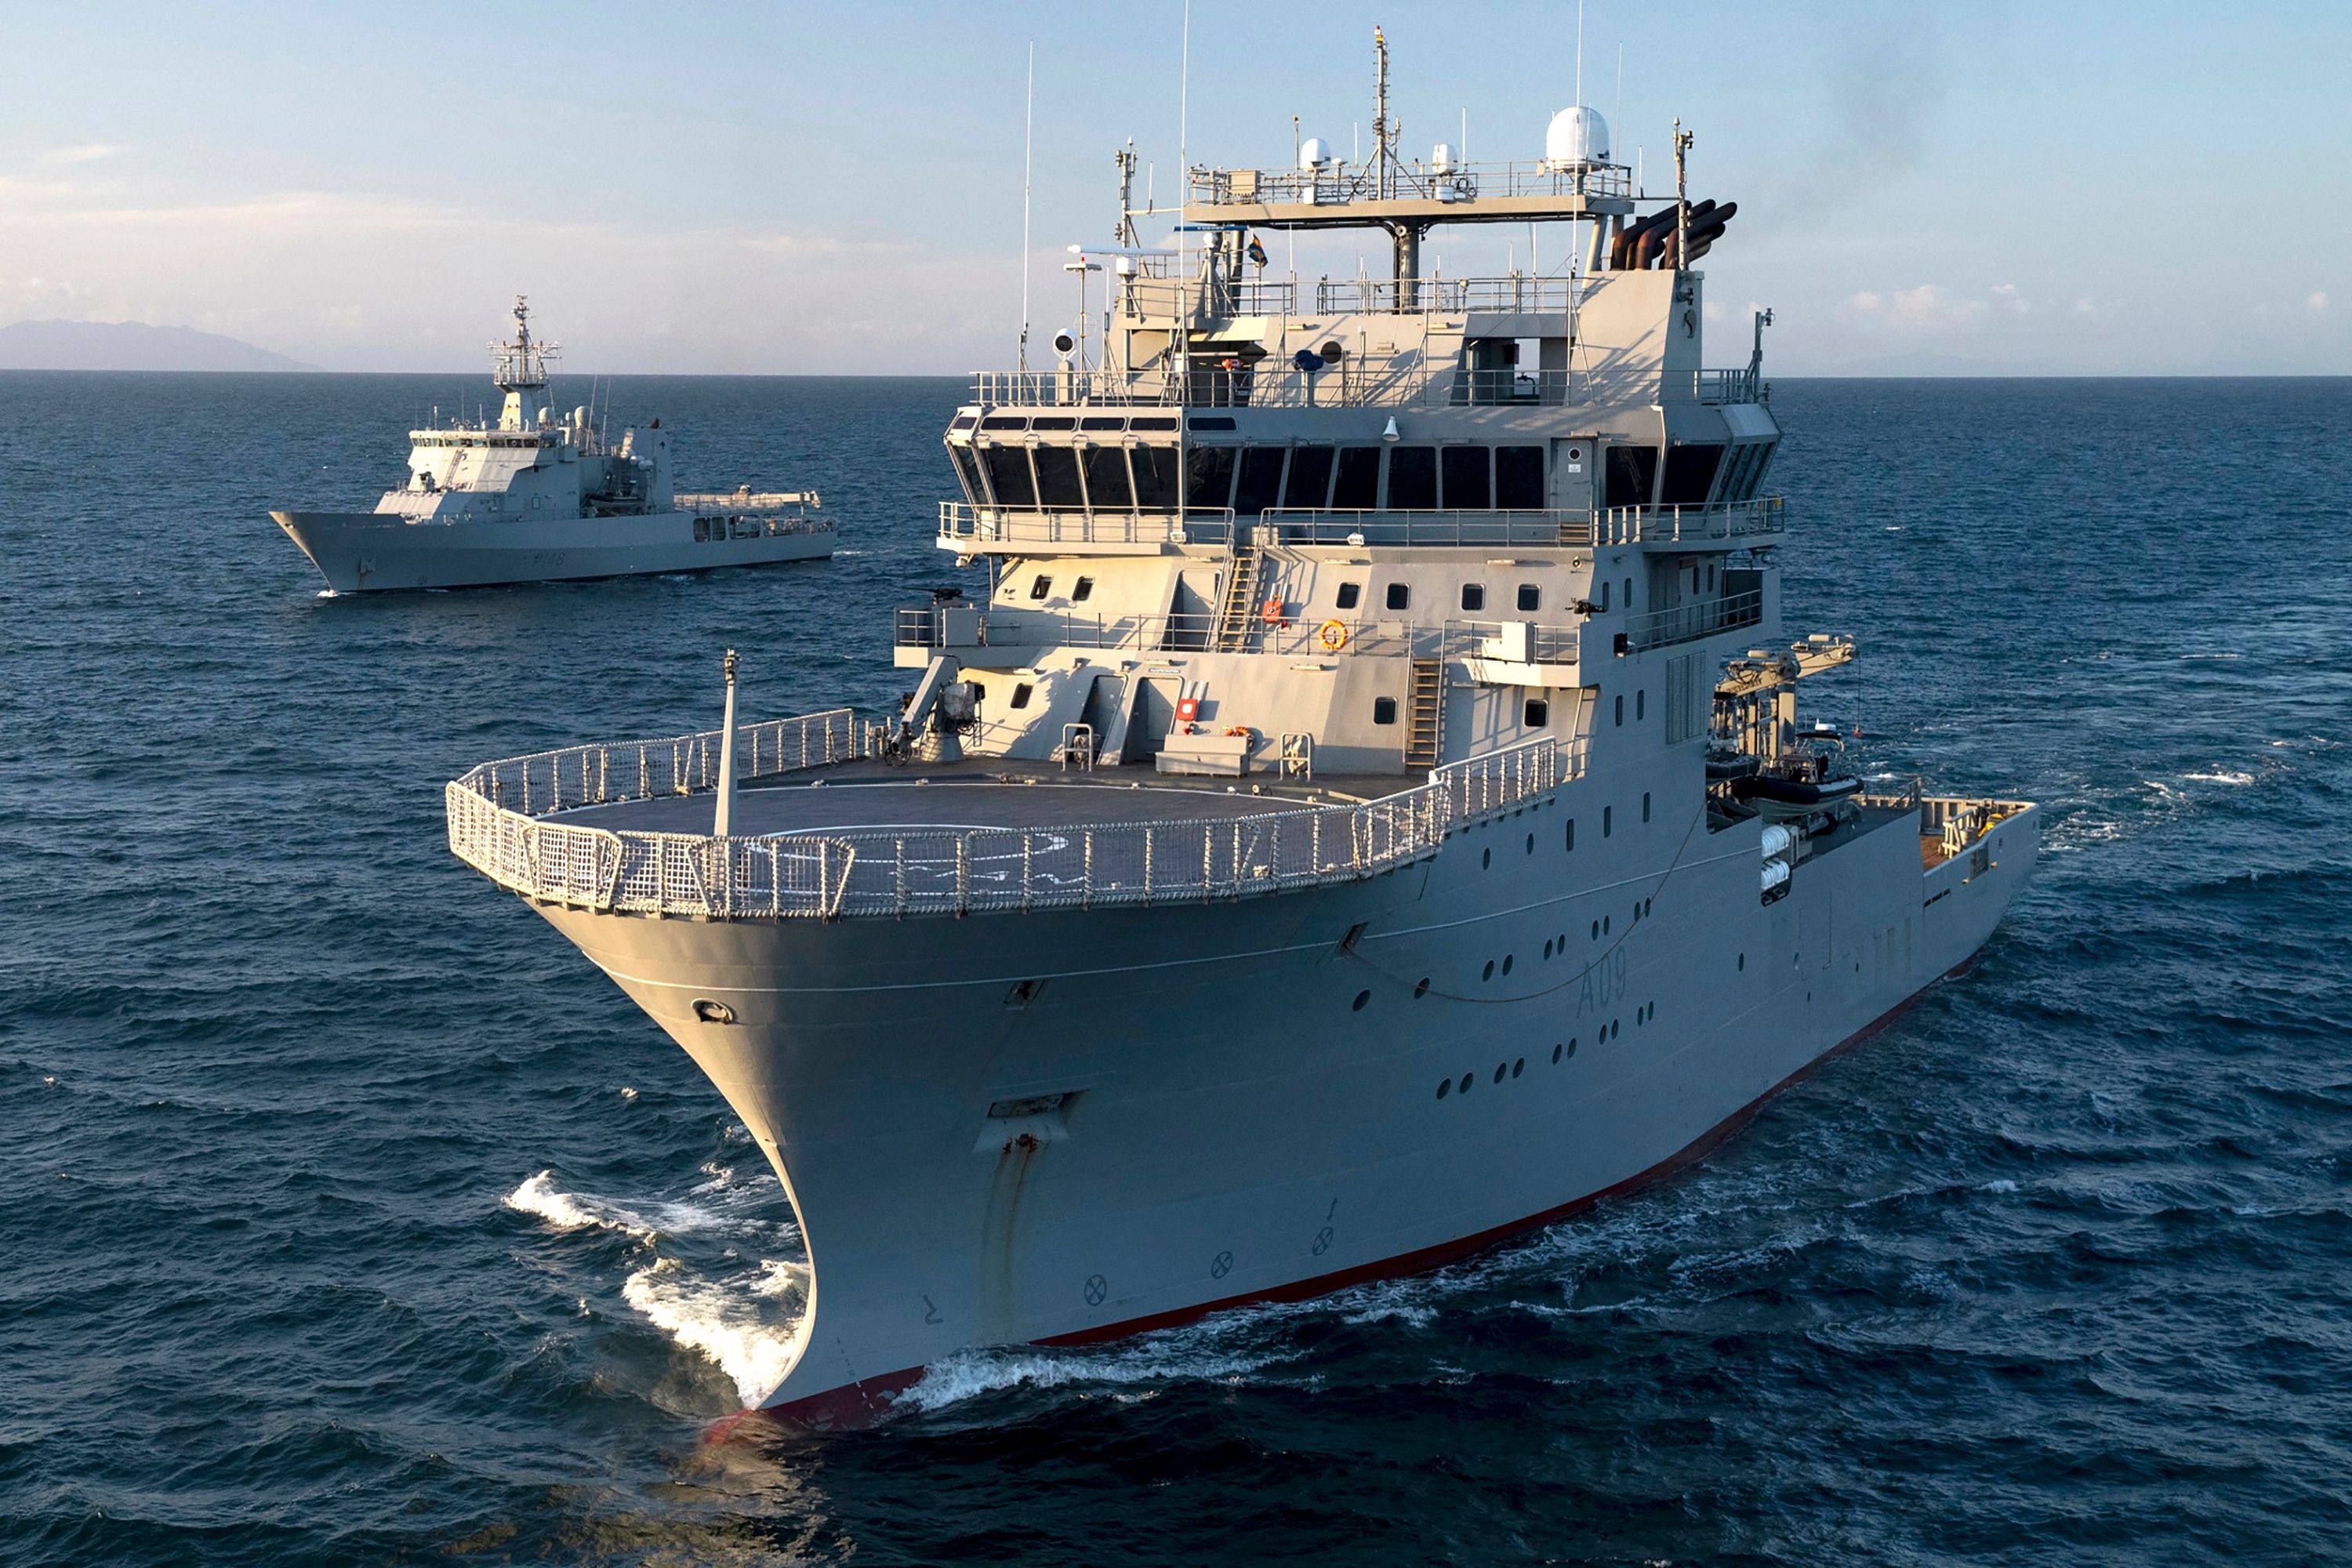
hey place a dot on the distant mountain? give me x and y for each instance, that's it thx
(129, 345)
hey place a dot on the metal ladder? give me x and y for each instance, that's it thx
(1424, 735)
(1240, 605)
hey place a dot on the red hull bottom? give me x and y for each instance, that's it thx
(861, 1403)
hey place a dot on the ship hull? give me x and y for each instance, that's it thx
(366, 551)
(1072, 1125)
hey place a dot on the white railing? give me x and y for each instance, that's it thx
(960, 521)
(745, 500)
(894, 872)
(1404, 381)
(1341, 183)
(1684, 622)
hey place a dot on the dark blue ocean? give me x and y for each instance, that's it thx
(348, 1216)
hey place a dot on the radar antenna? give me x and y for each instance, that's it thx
(522, 363)
(1123, 231)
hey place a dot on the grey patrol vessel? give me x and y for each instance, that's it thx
(539, 498)
(1364, 813)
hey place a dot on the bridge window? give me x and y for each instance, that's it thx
(1629, 474)
(1008, 475)
(1383, 709)
(1058, 477)
(1473, 595)
(1208, 478)
(1155, 477)
(1309, 485)
(1084, 591)
(1530, 598)
(1021, 694)
(1260, 485)
(1107, 486)
(1356, 487)
(1467, 486)
(1040, 585)
(1690, 474)
(1412, 478)
(1005, 422)
(1351, 595)
(967, 475)
(1537, 714)
(1519, 479)
(1399, 596)
(1051, 422)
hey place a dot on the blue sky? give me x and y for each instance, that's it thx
(2089, 189)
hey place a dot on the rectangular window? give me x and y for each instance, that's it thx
(1645, 805)
(1537, 714)
(1107, 486)
(1351, 595)
(1383, 709)
(1208, 478)
(1399, 596)
(1260, 481)
(1005, 422)
(1530, 598)
(1604, 598)
(1155, 477)
(1412, 478)
(1040, 586)
(1463, 470)
(1641, 704)
(1084, 591)
(1690, 474)
(1607, 814)
(1629, 472)
(1051, 422)
(1519, 479)
(1473, 595)
(1058, 477)
(967, 475)
(1103, 422)
(1008, 475)
(1572, 835)
(1309, 485)
(1021, 695)
(1358, 485)
(1621, 698)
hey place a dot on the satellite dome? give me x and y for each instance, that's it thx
(1577, 135)
(1314, 153)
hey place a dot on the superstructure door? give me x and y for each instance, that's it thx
(1574, 461)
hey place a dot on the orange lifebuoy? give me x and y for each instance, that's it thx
(1332, 635)
(1244, 731)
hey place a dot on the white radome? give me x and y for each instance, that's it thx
(1577, 135)
(1314, 153)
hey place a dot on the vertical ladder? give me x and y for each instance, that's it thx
(1240, 605)
(1424, 735)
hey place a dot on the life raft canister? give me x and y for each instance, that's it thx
(1332, 635)
(1271, 611)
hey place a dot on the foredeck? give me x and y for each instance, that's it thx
(833, 827)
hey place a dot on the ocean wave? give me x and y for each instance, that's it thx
(1203, 1352)
(2222, 778)
(710, 1318)
(541, 1197)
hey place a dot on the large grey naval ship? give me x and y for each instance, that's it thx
(540, 498)
(1360, 814)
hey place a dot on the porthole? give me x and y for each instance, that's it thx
(1743, 961)
(1490, 970)
(1572, 835)
(1547, 948)
(1646, 903)
(1560, 941)
(1421, 990)
(1467, 1080)
(1604, 925)
(1361, 997)
(1444, 1087)
(1645, 805)
(712, 1012)
(1555, 1056)
(1485, 859)
(1572, 1047)
(1531, 843)
(1596, 931)
(1519, 1067)
(1607, 820)
(1507, 963)
(1500, 1069)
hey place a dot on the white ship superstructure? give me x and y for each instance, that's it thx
(1360, 814)
(540, 497)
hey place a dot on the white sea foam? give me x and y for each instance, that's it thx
(716, 1322)
(2222, 778)
(541, 1197)
(2004, 1185)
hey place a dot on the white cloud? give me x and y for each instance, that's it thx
(2008, 295)
(2318, 302)
(1930, 306)
(89, 154)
